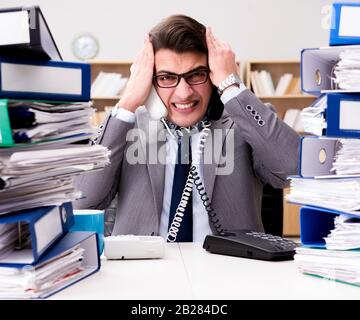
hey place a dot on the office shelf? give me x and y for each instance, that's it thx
(123, 67)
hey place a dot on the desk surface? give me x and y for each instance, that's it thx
(189, 272)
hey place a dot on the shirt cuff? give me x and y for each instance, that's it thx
(232, 92)
(123, 114)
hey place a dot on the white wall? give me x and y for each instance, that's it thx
(256, 29)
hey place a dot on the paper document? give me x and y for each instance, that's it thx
(343, 266)
(313, 117)
(32, 282)
(345, 235)
(341, 194)
(347, 70)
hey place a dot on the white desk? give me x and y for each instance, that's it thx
(189, 272)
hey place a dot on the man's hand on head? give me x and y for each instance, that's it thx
(140, 81)
(221, 58)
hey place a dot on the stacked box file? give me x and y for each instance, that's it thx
(45, 141)
(328, 184)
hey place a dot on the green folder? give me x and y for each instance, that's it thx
(6, 139)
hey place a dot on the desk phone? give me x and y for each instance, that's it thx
(250, 244)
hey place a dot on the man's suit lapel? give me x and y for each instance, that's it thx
(154, 147)
(210, 169)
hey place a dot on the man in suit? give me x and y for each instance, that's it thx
(186, 63)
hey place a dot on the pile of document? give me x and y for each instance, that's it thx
(345, 235)
(342, 266)
(347, 70)
(334, 193)
(45, 142)
(340, 258)
(32, 282)
(347, 157)
(313, 117)
(328, 181)
(29, 179)
(36, 121)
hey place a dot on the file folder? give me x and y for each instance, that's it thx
(343, 115)
(316, 156)
(316, 223)
(44, 80)
(45, 225)
(89, 264)
(24, 34)
(316, 68)
(5, 127)
(345, 26)
(7, 135)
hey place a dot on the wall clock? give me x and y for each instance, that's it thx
(85, 47)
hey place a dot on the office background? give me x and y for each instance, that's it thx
(256, 29)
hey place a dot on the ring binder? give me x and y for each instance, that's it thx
(32, 39)
(344, 27)
(45, 226)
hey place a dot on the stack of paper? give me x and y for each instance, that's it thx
(347, 158)
(341, 194)
(39, 121)
(347, 70)
(44, 108)
(343, 266)
(30, 282)
(44, 177)
(312, 117)
(345, 235)
(38, 194)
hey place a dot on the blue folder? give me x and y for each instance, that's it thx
(315, 224)
(40, 45)
(345, 29)
(343, 115)
(316, 156)
(90, 263)
(44, 80)
(316, 69)
(45, 225)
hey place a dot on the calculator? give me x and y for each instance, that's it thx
(251, 244)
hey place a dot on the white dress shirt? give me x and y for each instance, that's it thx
(201, 226)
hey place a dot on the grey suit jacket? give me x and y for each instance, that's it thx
(265, 151)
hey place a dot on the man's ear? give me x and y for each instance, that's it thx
(216, 107)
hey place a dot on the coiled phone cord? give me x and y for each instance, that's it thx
(194, 179)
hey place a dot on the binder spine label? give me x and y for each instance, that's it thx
(47, 229)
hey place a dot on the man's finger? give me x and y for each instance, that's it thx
(209, 39)
(217, 43)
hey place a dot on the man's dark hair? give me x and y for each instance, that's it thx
(179, 33)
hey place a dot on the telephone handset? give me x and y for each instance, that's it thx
(216, 107)
(155, 106)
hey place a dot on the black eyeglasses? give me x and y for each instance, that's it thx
(171, 80)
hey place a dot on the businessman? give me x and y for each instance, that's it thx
(195, 76)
